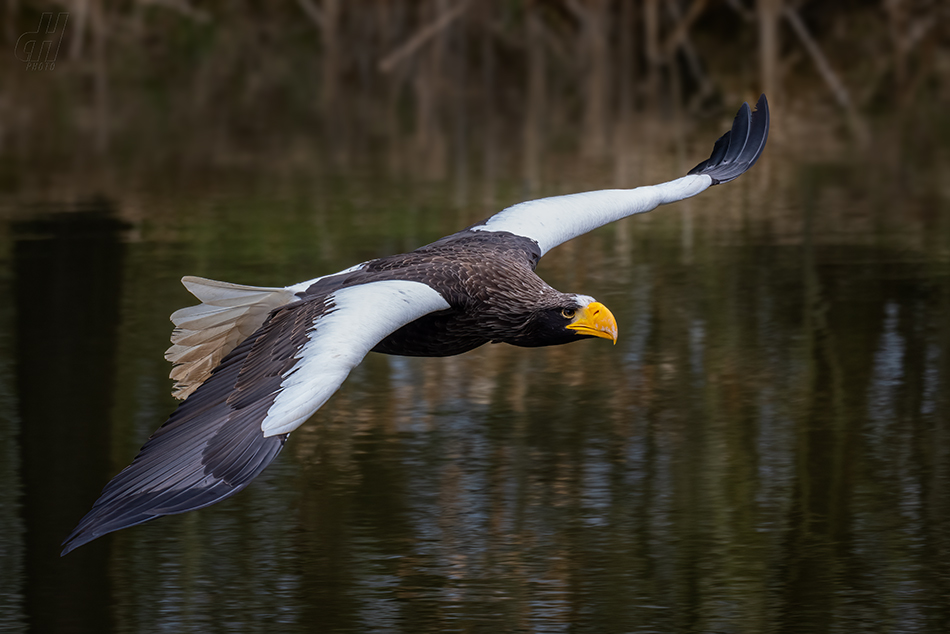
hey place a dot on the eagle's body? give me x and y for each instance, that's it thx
(254, 363)
(464, 269)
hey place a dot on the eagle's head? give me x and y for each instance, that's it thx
(564, 319)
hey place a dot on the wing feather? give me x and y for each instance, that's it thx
(235, 423)
(737, 150)
(553, 221)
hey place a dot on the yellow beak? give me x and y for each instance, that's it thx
(595, 320)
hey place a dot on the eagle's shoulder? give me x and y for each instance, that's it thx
(471, 245)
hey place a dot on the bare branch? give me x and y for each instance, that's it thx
(314, 13)
(681, 32)
(746, 14)
(818, 57)
(575, 7)
(706, 86)
(855, 121)
(422, 36)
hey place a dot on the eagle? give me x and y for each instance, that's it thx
(252, 364)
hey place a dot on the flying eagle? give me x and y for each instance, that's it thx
(254, 363)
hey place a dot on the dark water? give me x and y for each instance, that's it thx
(766, 449)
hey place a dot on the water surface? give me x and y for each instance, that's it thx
(766, 449)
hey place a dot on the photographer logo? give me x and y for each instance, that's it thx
(38, 49)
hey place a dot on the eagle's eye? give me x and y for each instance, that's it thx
(568, 313)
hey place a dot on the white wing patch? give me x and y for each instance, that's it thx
(553, 221)
(358, 318)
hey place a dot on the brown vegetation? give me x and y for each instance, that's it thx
(430, 85)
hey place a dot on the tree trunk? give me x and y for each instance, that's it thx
(770, 12)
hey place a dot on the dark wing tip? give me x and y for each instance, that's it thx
(191, 462)
(738, 149)
(120, 508)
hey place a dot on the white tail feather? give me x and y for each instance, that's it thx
(206, 333)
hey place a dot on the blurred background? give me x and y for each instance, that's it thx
(766, 449)
(463, 90)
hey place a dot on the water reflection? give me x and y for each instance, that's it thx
(765, 450)
(67, 266)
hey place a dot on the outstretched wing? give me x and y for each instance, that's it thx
(553, 221)
(235, 423)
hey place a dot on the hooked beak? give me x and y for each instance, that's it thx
(595, 320)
